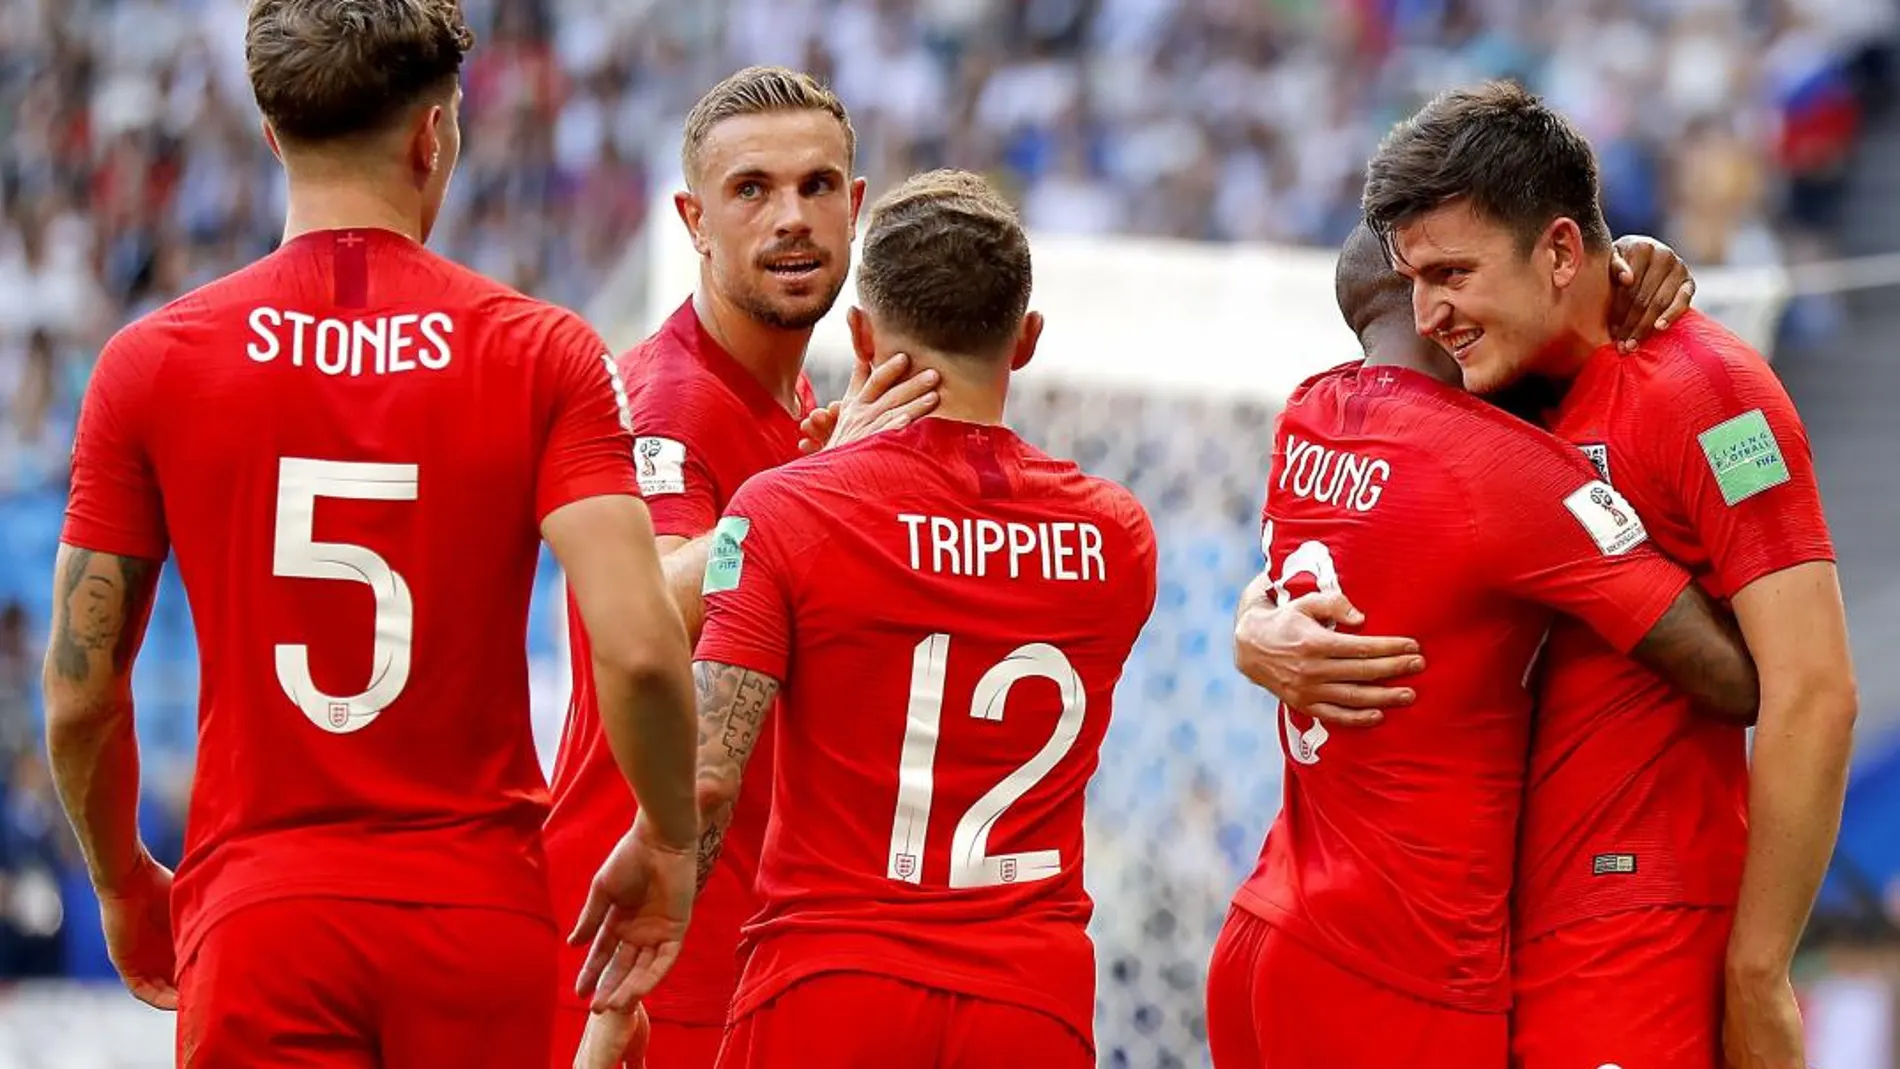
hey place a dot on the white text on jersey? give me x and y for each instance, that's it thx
(1065, 551)
(1333, 476)
(383, 345)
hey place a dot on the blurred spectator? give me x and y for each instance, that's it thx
(35, 848)
(36, 435)
(19, 670)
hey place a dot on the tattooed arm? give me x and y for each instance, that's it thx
(101, 603)
(733, 703)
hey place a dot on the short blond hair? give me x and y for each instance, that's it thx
(760, 91)
(946, 262)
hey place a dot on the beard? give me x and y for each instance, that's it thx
(794, 314)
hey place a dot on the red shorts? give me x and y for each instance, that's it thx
(853, 1020)
(1274, 1004)
(1635, 989)
(336, 983)
(670, 1045)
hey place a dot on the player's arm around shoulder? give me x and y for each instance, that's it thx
(1558, 535)
(1299, 651)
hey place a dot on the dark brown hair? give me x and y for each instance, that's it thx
(946, 262)
(760, 91)
(1516, 161)
(327, 70)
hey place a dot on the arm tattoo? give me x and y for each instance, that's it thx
(733, 705)
(102, 607)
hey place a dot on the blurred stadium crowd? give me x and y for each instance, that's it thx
(131, 170)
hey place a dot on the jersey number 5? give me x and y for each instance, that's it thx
(971, 865)
(297, 555)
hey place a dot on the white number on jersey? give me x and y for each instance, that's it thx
(300, 483)
(1314, 559)
(971, 865)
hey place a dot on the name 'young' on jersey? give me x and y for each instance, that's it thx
(1441, 518)
(949, 611)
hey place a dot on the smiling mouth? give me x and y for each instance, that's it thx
(1459, 342)
(794, 267)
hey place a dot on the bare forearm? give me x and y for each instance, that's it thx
(95, 766)
(685, 567)
(733, 705)
(714, 818)
(1698, 648)
(100, 608)
(1796, 787)
(652, 742)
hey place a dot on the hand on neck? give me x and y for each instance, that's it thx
(969, 389)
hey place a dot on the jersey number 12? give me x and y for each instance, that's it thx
(296, 554)
(971, 864)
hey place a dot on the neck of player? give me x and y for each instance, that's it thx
(1395, 343)
(323, 202)
(968, 390)
(1586, 321)
(775, 356)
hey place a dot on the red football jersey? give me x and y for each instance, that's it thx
(350, 445)
(948, 610)
(703, 425)
(1447, 520)
(1635, 799)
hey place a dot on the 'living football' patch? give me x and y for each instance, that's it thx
(1744, 455)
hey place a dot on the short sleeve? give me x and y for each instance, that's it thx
(1724, 442)
(673, 449)
(1144, 559)
(588, 451)
(748, 585)
(1554, 534)
(115, 505)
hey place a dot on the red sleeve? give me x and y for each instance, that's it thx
(1552, 533)
(674, 442)
(748, 587)
(1144, 556)
(1725, 444)
(114, 505)
(589, 447)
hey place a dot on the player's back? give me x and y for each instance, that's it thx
(354, 441)
(1433, 514)
(961, 606)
